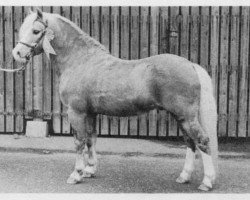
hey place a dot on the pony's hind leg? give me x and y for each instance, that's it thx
(91, 164)
(201, 140)
(188, 168)
(80, 122)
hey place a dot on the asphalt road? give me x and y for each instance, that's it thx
(47, 173)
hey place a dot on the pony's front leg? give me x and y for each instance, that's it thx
(91, 165)
(79, 123)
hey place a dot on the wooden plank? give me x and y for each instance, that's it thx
(47, 78)
(173, 48)
(233, 73)
(134, 54)
(56, 103)
(66, 12)
(184, 20)
(105, 34)
(9, 64)
(144, 52)
(38, 81)
(153, 119)
(19, 100)
(28, 80)
(204, 37)
(114, 123)
(223, 75)
(164, 44)
(2, 124)
(214, 48)
(194, 35)
(86, 19)
(124, 49)
(184, 33)
(244, 61)
(95, 33)
(203, 57)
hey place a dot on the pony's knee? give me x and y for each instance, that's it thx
(80, 145)
(203, 144)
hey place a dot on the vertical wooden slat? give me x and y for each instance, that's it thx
(223, 67)
(28, 89)
(134, 54)
(244, 57)
(115, 52)
(214, 48)
(184, 34)
(2, 124)
(233, 73)
(9, 64)
(204, 37)
(19, 103)
(153, 51)
(85, 19)
(95, 33)
(56, 99)
(38, 82)
(194, 46)
(144, 45)
(47, 73)
(105, 33)
(76, 19)
(173, 49)
(164, 43)
(124, 49)
(184, 20)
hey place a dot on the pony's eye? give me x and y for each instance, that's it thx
(36, 32)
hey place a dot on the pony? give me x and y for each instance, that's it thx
(92, 82)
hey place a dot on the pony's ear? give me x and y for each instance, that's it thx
(39, 13)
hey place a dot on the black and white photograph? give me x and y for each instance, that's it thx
(137, 98)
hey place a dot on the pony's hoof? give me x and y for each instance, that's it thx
(181, 180)
(75, 178)
(90, 170)
(204, 188)
(72, 181)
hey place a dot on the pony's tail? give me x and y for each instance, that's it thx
(207, 112)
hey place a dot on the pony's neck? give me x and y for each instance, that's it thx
(72, 46)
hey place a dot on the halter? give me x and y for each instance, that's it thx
(32, 47)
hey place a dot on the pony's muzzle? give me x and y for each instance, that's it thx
(18, 56)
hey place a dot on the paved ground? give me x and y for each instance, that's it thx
(125, 166)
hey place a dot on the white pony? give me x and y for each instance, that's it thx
(94, 82)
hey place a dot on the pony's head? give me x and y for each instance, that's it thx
(34, 37)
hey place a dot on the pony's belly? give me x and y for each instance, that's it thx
(124, 107)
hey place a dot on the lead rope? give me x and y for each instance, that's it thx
(23, 67)
(14, 70)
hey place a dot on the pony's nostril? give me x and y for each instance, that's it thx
(18, 53)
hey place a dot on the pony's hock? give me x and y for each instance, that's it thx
(36, 128)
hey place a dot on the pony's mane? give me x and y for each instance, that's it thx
(89, 40)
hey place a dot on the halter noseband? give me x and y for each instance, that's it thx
(32, 47)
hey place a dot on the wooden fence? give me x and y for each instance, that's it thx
(215, 37)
